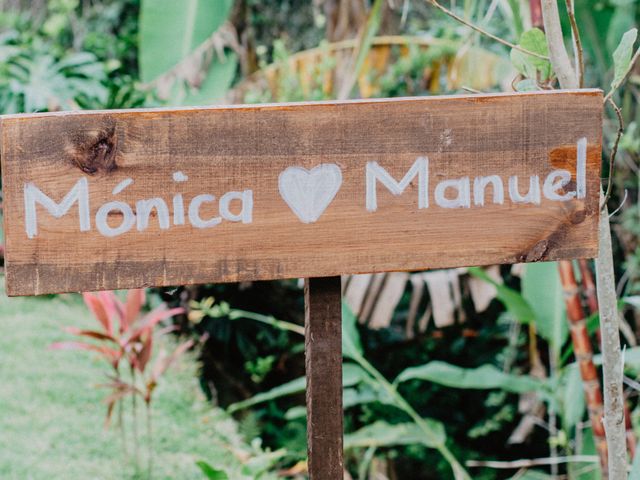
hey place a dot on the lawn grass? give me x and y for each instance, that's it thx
(52, 416)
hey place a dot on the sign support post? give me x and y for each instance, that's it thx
(323, 363)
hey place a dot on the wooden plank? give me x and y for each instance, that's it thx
(323, 361)
(302, 205)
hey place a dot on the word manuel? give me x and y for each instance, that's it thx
(307, 192)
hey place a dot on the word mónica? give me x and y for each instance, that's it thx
(314, 190)
(80, 193)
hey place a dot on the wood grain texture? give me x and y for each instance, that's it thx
(323, 361)
(222, 149)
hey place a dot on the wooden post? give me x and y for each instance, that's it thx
(323, 361)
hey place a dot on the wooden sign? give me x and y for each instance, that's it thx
(121, 199)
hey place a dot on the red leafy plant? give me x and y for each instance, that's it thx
(125, 340)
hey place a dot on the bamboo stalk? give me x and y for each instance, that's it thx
(589, 289)
(588, 286)
(584, 355)
(536, 13)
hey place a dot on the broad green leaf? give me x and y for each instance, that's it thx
(351, 375)
(290, 388)
(622, 56)
(614, 27)
(216, 84)
(534, 41)
(8, 51)
(542, 290)
(512, 300)
(170, 30)
(521, 63)
(296, 412)
(383, 434)
(354, 396)
(573, 401)
(480, 378)
(578, 471)
(516, 23)
(367, 393)
(351, 346)
(210, 472)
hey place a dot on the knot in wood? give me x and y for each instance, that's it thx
(95, 150)
(538, 252)
(578, 216)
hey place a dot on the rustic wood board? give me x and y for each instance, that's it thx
(303, 223)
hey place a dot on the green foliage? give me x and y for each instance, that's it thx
(212, 473)
(405, 77)
(542, 290)
(216, 82)
(383, 434)
(602, 26)
(170, 31)
(622, 20)
(484, 377)
(512, 300)
(259, 368)
(52, 414)
(58, 18)
(622, 57)
(377, 388)
(543, 294)
(256, 468)
(531, 67)
(516, 11)
(573, 402)
(295, 386)
(39, 82)
(496, 422)
(363, 46)
(125, 336)
(172, 34)
(289, 83)
(33, 79)
(351, 344)
(351, 375)
(68, 61)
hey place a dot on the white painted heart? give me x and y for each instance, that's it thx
(309, 192)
